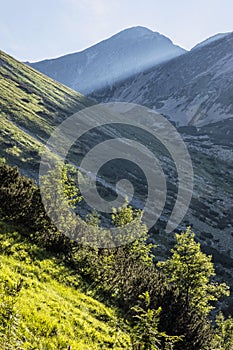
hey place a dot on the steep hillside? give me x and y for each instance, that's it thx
(30, 106)
(41, 294)
(34, 104)
(118, 57)
(52, 310)
(55, 307)
(193, 89)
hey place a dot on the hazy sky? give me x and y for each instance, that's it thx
(36, 29)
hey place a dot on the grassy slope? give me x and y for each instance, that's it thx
(53, 310)
(31, 105)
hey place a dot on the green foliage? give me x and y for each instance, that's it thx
(93, 219)
(69, 180)
(131, 219)
(145, 333)
(8, 313)
(15, 193)
(21, 203)
(2, 161)
(124, 215)
(31, 106)
(60, 195)
(223, 339)
(191, 271)
(49, 310)
(167, 306)
(162, 305)
(122, 271)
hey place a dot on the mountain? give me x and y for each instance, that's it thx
(192, 89)
(195, 91)
(126, 53)
(56, 293)
(210, 40)
(31, 106)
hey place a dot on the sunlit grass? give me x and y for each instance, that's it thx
(31, 106)
(54, 312)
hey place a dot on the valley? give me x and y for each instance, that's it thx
(193, 90)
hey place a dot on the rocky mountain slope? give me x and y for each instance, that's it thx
(118, 57)
(193, 89)
(32, 105)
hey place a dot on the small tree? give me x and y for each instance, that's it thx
(191, 271)
(60, 195)
(130, 220)
(16, 193)
(145, 333)
(223, 339)
(123, 215)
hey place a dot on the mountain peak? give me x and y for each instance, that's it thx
(118, 57)
(193, 89)
(138, 32)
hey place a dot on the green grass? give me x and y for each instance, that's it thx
(31, 106)
(53, 309)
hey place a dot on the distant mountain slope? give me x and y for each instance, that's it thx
(30, 106)
(192, 89)
(210, 40)
(195, 90)
(118, 57)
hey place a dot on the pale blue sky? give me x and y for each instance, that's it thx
(37, 29)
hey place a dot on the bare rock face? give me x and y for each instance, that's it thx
(193, 89)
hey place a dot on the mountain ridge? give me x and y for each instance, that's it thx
(192, 89)
(210, 40)
(33, 105)
(121, 55)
